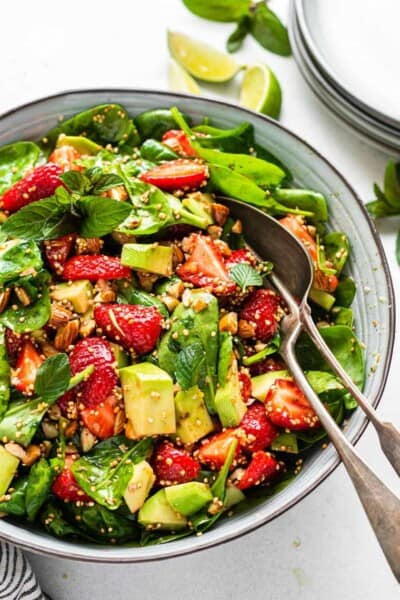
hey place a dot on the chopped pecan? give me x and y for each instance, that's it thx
(71, 429)
(105, 292)
(4, 298)
(32, 454)
(88, 245)
(66, 335)
(219, 213)
(214, 231)
(87, 327)
(59, 315)
(177, 255)
(246, 329)
(88, 440)
(22, 296)
(47, 349)
(229, 322)
(123, 238)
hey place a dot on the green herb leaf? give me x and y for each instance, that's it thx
(76, 181)
(105, 181)
(235, 40)
(189, 363)
(269, 31)
(218, 10)
(40, 479)
(41, 220)
(15, 160)
(101, 215)
(53, 377)
(245, 276)
(271, 348)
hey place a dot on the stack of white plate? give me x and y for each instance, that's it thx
(349, 53)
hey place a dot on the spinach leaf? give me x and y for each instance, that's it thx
(239, 139)
(53, 377)
(156, 152)
(245, 276)
(219, 10)
(285, 442)
(344, 345)
(40, 478)
(343, 316)
(18, 257)
(15, 160)
(337, 249)
(104, 473)
(15, 505)
(345, 292)
(154, 123)
(33, 316)
(189, 327)
(53, 520)
(271, 348)
(308, 200)
(104, 124)
(235, 40)
(4, 376)
(128, 294)
(269, 31)
(101, 525)
(189, 363)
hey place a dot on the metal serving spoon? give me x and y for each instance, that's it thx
(292, 277)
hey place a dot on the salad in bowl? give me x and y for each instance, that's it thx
(142, 395)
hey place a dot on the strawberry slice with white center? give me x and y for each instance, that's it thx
(287, 407)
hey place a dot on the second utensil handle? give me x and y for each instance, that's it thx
(389, 435)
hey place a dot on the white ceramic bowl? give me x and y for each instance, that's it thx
(374, 311)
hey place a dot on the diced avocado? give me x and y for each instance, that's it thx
(121, 357)
(200, 205)
(261, 383)
(228, 399)
(149, 400)
(323, 299)
(233, 496)
(8, 466)
(188, 498)
(82, 144)
(138, 489)
(79, 293)
(192, 419)
(148, 257)
(158, 512)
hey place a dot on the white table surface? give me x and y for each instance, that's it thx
(322, 548)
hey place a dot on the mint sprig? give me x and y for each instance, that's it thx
(245, 276)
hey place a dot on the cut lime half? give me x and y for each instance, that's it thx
(180, 81)
(200, 60)
(261, 91)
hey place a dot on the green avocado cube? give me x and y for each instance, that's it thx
(79, 293)
(81, 144)
(188, 498)
(139, 487)
(8, 467)
(192, 419)
(148, 257)
(260, 384)
(157, 513)
(233, 496)
(228, 399)
(149, 400)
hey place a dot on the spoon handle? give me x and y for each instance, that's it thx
(381, 505)
(388, 434)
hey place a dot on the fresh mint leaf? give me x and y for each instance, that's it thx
(268, 30)
(189, 363)
(76, 181)
(41, 220)
(101, 215)
(106, 181)
(53, 377)
(236, 39)
(245, 276)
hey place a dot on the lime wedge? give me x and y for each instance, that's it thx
(180, 81)
(261, 91)
(200, 60)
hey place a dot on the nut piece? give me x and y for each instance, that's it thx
(146, 280)
(88, 245)
(229, 322)
(32, 454)
(105, 292)
(119, 422)
(22, 296)
(70, 429)
(219, 213)
(176, 289)
(177, 255)
(88, 440)
(47, 349)
(67, 335)
(117, 193)
(237, 227)
(214, 231)
(170, 302)
(88, 325)
(4, 298)
(50, 429)
(59, 315)
(16, 450)
(245, 329)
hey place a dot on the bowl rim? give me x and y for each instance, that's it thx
(107, 557)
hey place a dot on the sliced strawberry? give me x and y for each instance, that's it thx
(28, 363)
(260, 433)
(262, 466)
(287, 407)
(177, 174)
(245, 386)
(178, 141)
(65, 157)
(296, 225)
(268, 364)
(205, 266)
(98, 352)
(240, 256)
(174, 465)
(261, 310)
(100, 419)
(213, 451)
(40, 183)
(94, 267)
(66, 487)
(57, 251)
(135, 327)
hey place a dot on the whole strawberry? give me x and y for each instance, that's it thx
(137, 328)
(261, 309)
(42, 182)
(174, 465)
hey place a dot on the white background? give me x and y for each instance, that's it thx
(322, 548)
